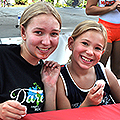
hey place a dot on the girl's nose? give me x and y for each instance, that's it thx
(90, 52)
(46, 40)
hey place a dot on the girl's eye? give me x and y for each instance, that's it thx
(85, 43)
(98, 48)
(38, 32)
(54, 34)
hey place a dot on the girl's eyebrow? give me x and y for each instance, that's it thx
(56, 30)
(85, 39)
(100, 45)
(37, 28)
(44, 29)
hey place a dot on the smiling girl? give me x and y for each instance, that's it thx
(27, 85)
(77, 85)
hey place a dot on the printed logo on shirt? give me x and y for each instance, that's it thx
(107, 99)
(32, 95)
(75, 105)
(107, 2)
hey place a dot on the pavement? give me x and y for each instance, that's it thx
(70, 18)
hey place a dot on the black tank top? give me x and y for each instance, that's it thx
(76, 95)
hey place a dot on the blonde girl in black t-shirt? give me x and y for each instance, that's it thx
(24, 83)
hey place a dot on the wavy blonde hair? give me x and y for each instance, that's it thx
(86, 26)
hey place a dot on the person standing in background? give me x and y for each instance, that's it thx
(109, 16)
(8, 3)
(4, 2)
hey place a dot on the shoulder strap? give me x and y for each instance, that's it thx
(103, 70)
(65, 77)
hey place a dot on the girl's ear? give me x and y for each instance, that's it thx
(23, 33)
(70, 43)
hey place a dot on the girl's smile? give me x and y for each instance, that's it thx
(43, 50)
(87, 60)
(87, 49)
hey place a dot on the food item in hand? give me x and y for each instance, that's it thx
(100, 82)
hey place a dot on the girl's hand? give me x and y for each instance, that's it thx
(118, 7)
(94, 97)
(50, 73)
(12, 110)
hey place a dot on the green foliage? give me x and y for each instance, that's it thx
(24, 3)
(51, 1)
(79, 3)
(34, 1)
(21, 2)
(58, 5)
(65, 5)
(69, 2)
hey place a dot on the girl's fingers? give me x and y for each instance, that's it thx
(97, 91)
(13, 110)
(52, 64)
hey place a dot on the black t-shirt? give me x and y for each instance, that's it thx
(19, 80)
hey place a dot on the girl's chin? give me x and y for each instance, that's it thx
(43, 56)
(85, 67)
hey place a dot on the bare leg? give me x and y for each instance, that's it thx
(115, 59)
(107, 54)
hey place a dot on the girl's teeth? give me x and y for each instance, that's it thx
(85, 59)
(42, 49)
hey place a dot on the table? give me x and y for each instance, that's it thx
(105, 112)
